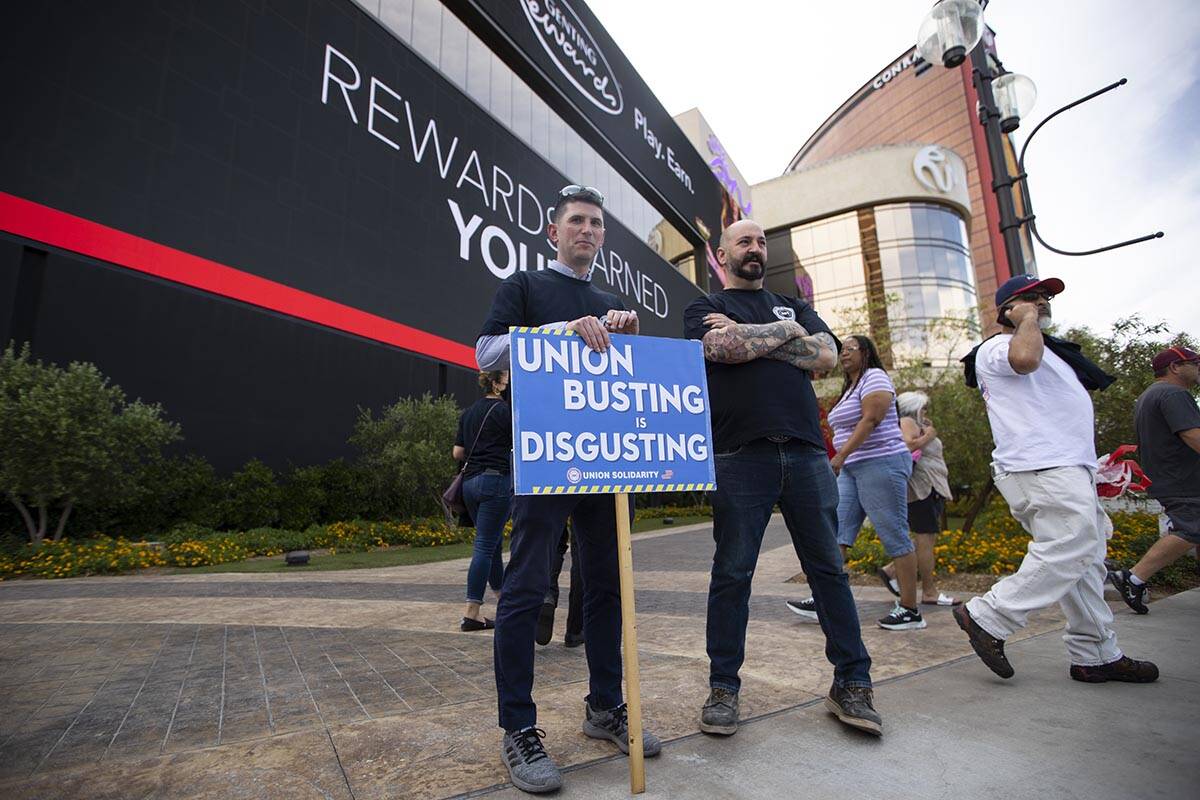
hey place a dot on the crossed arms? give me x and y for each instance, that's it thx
(729, 342)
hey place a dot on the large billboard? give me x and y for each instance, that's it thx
(301, 144)
(562, 50)
(295, 157)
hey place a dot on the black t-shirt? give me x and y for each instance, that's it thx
(539, 298)
(1160, 415)
(494, 448)
(763, 397)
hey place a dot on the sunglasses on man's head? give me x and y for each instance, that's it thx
(577, 192)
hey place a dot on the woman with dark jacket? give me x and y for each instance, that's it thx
(484, 442)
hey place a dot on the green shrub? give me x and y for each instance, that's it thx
(658, 512)
(63, 559)
(220, 549)
(187, 531)
(347, 492)
(169, 491)
(71, 440)
(302, 498)
(998, 543)
(406, 453)
(252, 498)
(272, 541)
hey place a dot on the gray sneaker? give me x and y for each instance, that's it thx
(529, 766)
(720, 712)
(614, 726)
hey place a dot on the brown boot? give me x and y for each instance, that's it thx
(989, 649)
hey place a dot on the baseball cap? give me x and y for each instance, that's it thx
(1019, 284)
(1171, 355)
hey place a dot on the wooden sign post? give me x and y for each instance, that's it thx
(633, 685)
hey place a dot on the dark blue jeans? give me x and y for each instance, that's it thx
(575, 597)
(750, 481)
(488, 496)
(537, 529)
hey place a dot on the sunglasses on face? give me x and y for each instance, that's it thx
(577, 192)
(1031, 297)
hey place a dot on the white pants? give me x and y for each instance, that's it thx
(1064, 563)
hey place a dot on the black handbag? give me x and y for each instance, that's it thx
(453, 504)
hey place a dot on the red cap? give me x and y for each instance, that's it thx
(1171, 355)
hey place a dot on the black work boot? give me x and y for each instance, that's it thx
(720, 712)
(854, 706)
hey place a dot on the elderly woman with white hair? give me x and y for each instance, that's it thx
(928, 491)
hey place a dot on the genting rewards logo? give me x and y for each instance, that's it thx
(573, 50)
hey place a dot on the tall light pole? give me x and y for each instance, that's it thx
(949, 34)
(952, 32)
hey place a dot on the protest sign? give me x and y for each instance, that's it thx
(633, 419)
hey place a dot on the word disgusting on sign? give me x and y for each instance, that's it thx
(632, 419)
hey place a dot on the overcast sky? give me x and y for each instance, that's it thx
(766, 73)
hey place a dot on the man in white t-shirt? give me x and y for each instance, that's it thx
(1045, 466)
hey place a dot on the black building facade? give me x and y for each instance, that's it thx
(265, 215)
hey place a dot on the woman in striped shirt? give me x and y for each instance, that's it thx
(873, 465)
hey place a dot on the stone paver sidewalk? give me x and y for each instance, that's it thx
(358, 684)
(956, 731)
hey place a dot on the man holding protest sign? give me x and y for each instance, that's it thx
(560, 297)
(760, 349)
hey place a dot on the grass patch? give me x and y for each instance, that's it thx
(390, 557)
(650, 525)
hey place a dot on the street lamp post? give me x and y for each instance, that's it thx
(1002, 183)
(952, 30)
(949, 34)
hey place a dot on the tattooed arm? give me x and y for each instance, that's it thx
(733, 343)
(816, 353)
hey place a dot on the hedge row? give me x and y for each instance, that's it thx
(997, 544)
(193, 546)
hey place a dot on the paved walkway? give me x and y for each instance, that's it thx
(358, 685)
(956, 731)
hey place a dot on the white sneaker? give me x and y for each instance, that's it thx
(902, 619)
(805, 608)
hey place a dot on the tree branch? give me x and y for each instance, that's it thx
(62, 521)
(30, 528)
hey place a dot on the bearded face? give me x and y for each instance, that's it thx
(748, 265)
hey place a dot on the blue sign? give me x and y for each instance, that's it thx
(634, 419)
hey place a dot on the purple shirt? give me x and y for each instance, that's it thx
(844, 417)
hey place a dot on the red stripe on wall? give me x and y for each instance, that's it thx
(78, 235)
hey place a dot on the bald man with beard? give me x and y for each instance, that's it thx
(760, 351)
